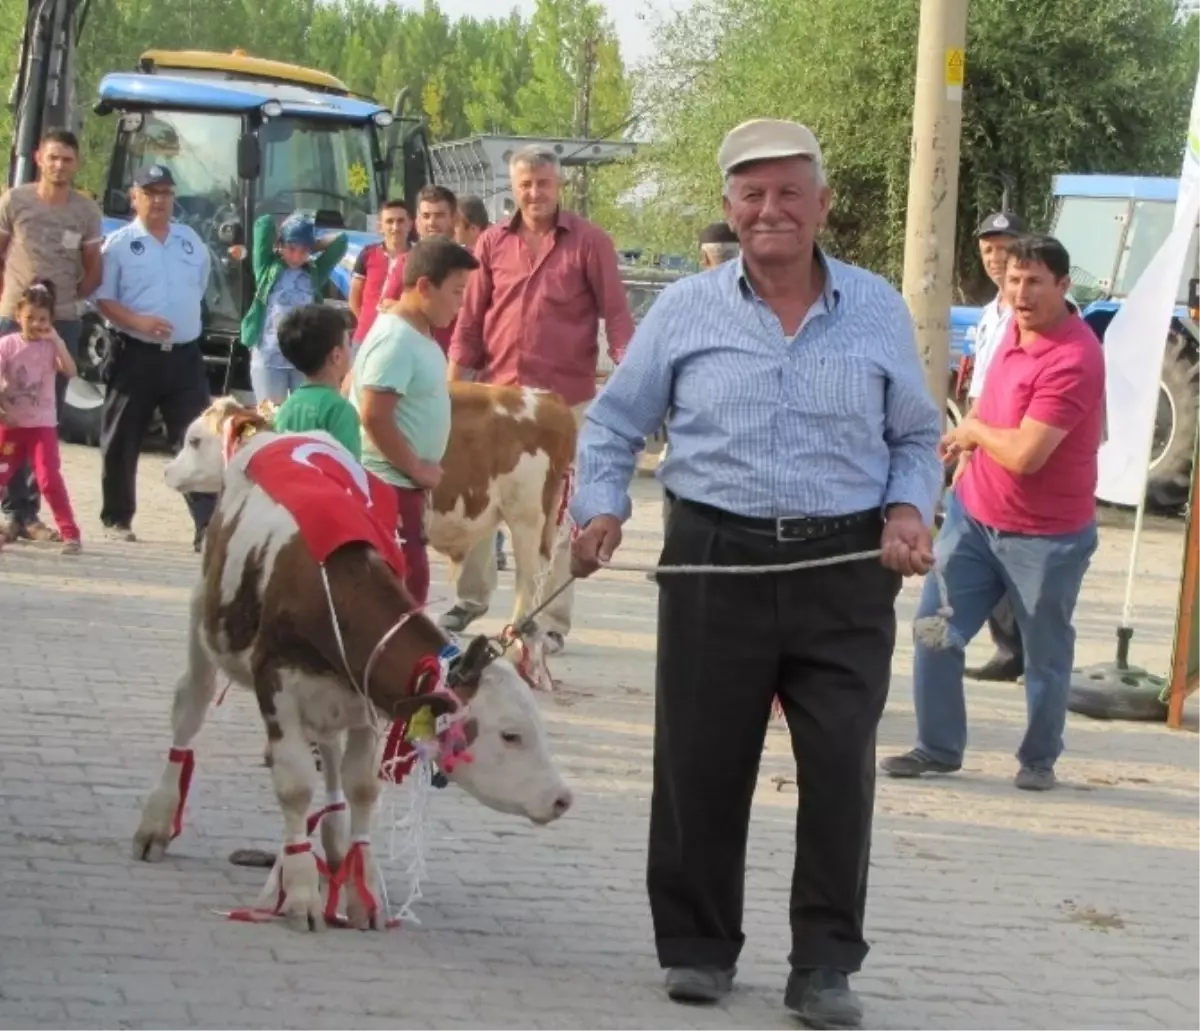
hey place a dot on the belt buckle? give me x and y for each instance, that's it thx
(791, 529)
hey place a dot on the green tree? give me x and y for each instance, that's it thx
(1050, 88)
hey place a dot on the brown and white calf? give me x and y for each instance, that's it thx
(260, 615)
(507, 461)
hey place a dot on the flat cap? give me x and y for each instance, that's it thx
(154, 175)
(763, 139)
(1001, 223)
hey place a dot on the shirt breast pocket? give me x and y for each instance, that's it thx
(564, 286)
(842, 387)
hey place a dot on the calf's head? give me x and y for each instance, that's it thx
(200, 464)
(511, 770)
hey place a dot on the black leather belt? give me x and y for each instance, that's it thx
(790, 529)
(153, 344)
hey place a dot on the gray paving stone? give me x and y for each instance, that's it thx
(988, 908)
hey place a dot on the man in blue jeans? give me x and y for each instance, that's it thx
(1021, 520)
(48, 230)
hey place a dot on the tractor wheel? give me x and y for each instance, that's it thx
(1175, 425)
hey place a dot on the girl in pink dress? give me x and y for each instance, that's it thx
(29, 362)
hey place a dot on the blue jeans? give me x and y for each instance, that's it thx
(23, 500)
(270, 382)
(1042, 577)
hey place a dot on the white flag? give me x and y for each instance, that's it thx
(1135, 342)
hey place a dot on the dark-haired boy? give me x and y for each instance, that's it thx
(399, 388)
(313, 338)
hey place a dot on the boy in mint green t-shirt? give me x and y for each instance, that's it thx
(315, 339)
(400, 391)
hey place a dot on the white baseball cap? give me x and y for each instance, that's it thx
(762, 139)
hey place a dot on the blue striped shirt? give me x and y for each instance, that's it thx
(836, 419)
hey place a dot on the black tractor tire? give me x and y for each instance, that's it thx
(80, 422)
(1170, 475)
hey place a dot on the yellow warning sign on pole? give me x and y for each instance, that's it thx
(955, 66)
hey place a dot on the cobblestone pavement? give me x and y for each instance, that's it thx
(989, 907)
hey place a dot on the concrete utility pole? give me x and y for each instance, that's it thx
(933, 184)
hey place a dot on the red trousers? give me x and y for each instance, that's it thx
(40, 445)
(412, 536)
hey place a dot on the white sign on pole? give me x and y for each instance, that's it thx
(1135, 342)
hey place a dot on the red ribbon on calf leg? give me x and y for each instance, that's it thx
(315, 819)
(187, 761)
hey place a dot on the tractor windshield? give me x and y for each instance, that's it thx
(1091, 229)
(325, 167)
(1112, 240)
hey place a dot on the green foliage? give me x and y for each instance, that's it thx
(1069, 86)
(500, 74)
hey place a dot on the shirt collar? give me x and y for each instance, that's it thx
(139, 229)
(831, 293)
(1041, 343)
(563, 221)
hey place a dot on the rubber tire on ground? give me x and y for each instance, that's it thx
(1170, 479)
(80, 423)
(1109, 696)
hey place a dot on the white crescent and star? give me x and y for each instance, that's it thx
(303, 453)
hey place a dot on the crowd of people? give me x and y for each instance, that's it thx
(800, 431)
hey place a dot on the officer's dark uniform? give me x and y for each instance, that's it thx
(167, 279)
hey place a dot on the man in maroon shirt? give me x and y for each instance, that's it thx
(373, 264)
(1021, 518)
(531, 317)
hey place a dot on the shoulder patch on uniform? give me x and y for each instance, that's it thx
(187, 246)
(137, 247)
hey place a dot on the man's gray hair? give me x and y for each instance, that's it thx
(818, 171)
(534, 155)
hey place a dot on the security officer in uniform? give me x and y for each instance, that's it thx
(155, 275)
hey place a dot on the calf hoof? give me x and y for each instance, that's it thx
(153, 835)
(150, 848)
(302, 893)
(362, 918)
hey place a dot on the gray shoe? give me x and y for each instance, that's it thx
(699, 984)
(823, 999)
(915, 764)
(1030, 779)
(458, 618)
(120, 532)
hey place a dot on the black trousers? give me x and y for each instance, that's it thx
(821, 639)
(1006, 635)
(141, 378)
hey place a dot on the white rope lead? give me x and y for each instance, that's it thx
(930, 631)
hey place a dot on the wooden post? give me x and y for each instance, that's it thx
(1183, 660)
(933, 185)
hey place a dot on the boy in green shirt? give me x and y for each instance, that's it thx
(314, 338)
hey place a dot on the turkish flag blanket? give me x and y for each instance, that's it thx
(333, 499)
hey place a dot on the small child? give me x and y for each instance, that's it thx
(29, 361)
(291, 268)
(314, 338)
(399, 388)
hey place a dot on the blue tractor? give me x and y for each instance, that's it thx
(1112, 226)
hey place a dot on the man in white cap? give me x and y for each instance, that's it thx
(801, 431)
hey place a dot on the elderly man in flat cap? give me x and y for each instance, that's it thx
(801, 431)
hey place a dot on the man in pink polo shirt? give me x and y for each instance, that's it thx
(1021, 519)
